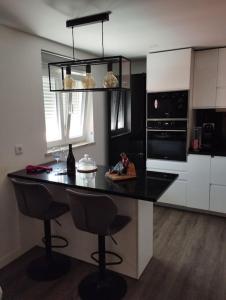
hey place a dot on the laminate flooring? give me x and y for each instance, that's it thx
(189, 263)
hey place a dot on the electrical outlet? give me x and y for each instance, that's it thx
(18, 149)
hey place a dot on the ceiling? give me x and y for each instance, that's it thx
(135, 27)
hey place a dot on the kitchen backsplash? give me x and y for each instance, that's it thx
(217, 118)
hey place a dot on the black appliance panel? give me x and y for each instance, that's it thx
(167, 105)
(167, 144)
(164, 125)
(213, 125)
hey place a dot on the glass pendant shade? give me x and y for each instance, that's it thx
(69, 82)
(110, 80)
(88, 82)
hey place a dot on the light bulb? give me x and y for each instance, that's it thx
(110, 79)
(69, 82)
(88, 81)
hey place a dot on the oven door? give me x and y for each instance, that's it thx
(167, 144)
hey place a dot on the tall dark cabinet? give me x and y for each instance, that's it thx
(127, 122)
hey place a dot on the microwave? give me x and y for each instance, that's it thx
(167, 105)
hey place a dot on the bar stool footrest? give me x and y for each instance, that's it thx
(59, 238)
(120, 259)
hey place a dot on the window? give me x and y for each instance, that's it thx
(120, 111)
(65, 113)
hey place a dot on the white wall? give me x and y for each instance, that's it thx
(22, 122)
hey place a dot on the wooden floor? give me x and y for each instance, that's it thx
(189, 263)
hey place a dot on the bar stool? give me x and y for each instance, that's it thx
(97, 214)
(35, 200)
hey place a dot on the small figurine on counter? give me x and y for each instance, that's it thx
(117, 169)
(125, 160)
(123, 170)
(122, 166)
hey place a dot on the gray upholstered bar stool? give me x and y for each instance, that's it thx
(97, 214)
(35, 200)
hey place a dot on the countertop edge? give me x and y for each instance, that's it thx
(10, 175)
(138, 197)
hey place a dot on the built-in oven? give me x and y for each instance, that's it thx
(167, 105)
(167, 140)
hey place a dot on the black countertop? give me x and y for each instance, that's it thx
(212, 152)
(147, 186)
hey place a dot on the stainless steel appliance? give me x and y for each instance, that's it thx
(167, 105)
(167, 140)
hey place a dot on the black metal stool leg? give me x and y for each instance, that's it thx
(47, 230)
(102, 258)
(104, 284)
(51, 266)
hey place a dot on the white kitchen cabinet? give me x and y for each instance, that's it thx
(221, 97)
(176, 194)
(218, 184)
(221, 78)
(218, 198)
(218, 170)
(201, 182)
(198, 181)
(205, 78)
(169, 70)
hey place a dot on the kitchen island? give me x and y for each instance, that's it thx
(134, 198)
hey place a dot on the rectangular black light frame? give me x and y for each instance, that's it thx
(92, 61)
(97, 18)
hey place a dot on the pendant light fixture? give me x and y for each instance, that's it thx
(110, 80)
(69, 82)
(88, 82)
(98, 74)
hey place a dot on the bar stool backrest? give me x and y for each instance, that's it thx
(33, 199)
(92, 213)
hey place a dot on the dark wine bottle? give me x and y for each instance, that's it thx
(70, 162)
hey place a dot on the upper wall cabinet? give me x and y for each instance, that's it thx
(169, 70)
(205, 78)
(221, 79)
(209, 87)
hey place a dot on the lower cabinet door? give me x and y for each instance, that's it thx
(218, 198)
(176, 194)
(198, 181)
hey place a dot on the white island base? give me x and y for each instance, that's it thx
(135, 241)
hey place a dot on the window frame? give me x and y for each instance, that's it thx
(81, 138)
(121, 97)
(64, 122)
